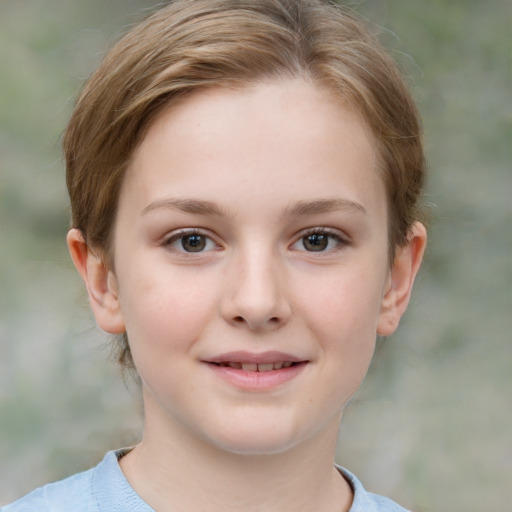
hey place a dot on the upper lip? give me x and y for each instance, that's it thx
(254, 357)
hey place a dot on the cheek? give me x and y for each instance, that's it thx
(165, 313)
(343, 316)
(347, 301)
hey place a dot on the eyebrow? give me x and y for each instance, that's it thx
(193, 206)
(199, 207)
(324, 206)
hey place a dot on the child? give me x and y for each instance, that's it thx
(245, 184)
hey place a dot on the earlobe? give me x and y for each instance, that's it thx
(401, 279)
(100, 282)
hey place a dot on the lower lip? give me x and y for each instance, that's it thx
(257, 381)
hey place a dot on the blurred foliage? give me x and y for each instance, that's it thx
(431, 425)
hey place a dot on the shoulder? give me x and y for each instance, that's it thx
(365, 501)
(101, 489)
(71, 494)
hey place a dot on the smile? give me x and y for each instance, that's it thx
(254, 367)
(256, 372)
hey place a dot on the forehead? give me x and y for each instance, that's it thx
(289, 139)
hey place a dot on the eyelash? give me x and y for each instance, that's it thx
(184, 234)
(321, 232)
(331, 235)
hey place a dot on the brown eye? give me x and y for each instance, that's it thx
(190, 241)
(320, 240)
(193, 243)
(315, 242)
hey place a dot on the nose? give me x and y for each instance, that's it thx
(255, 293)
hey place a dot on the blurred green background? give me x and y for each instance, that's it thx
(432, 424)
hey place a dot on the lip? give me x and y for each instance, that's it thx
(256, 380)
(254, 357)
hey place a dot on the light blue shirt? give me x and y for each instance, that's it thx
(105, 489)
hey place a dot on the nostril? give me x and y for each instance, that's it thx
(274, 320)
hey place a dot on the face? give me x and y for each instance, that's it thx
(251, 264)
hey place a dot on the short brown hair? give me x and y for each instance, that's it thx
(190, 44)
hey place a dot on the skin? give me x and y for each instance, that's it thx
(253, 173)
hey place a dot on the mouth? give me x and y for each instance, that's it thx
(255, 367)
(257, 371)
(256, 362)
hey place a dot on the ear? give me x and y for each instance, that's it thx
(400, 280)
(100, 282)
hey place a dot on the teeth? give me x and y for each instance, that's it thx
(263, 367)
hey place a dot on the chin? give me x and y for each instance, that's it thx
(257, 447)
(257, 439)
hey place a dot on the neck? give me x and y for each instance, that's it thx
(179, 472)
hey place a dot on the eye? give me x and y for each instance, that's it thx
(318, 240)
(190, 241)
